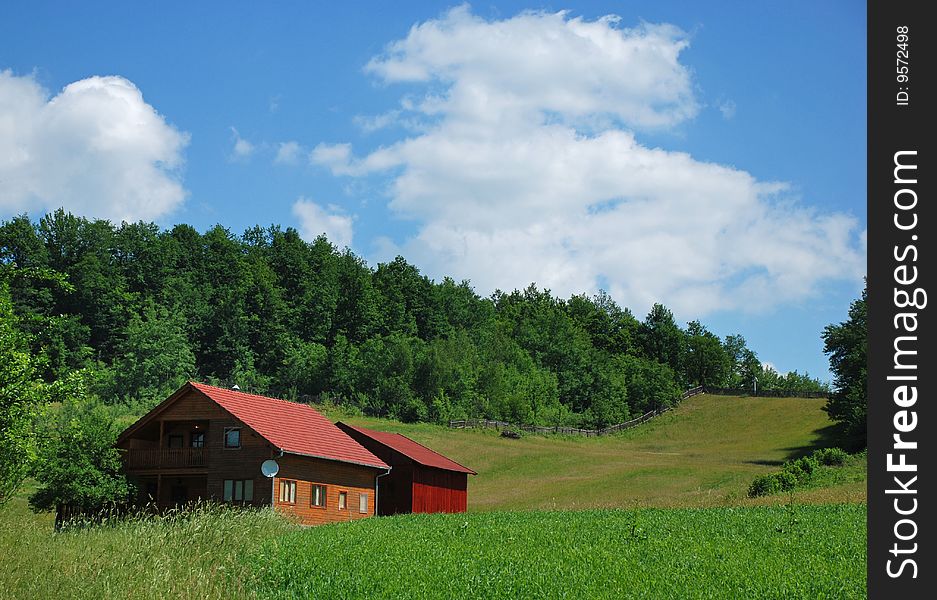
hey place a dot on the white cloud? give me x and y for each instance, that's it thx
(509, 72)
(242, 149)
(727, 108)
(525, 171)
(97, 149)
(288, 153)
(316, 220)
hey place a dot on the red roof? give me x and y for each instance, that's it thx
(412, 450)
(292, 427)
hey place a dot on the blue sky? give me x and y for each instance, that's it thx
(707, 155)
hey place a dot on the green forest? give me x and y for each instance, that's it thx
(138, 310)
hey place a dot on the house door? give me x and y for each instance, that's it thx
(180, 494)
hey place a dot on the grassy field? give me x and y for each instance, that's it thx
(703, 454)
(697, 460)
(179, 556)
(767, 552)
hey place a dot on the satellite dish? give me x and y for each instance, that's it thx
(270, 468)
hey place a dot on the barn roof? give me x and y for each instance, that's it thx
(411, 449)
(292, 427)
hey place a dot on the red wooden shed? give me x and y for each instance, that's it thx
(420, 480)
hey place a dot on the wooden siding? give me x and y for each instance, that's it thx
(437, 490)
(337, 477)
(412, 487)
(193, 406)
(395, 491)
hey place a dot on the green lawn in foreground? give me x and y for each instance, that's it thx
(704, 453)
(815, 551)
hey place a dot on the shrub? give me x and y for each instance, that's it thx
(831, 457)
(764, 486)
(786, 480)
(801, 469)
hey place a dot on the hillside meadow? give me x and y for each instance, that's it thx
(655, 512)
(704, 453)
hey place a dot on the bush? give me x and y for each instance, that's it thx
(795, 473)
(801, 469)
(831, 457)
(786, 480)
(764, 486)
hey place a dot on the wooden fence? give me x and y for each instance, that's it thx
(500, 425)
(765, 393)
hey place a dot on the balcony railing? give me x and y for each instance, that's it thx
(164, 458)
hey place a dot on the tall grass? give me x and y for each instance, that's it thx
(177, 555)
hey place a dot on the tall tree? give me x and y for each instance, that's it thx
(23, 392)
(661, 339)
(154, 358)
(847, 346)
(20, 397)
(706, 362)
(77, 463)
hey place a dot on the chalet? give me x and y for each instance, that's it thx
(205, 442)
(420, 480)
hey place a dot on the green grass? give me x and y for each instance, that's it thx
(697, 461)
(178, 556)
(703, 454)
(767, 552)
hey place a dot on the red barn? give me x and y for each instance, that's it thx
(420, 480)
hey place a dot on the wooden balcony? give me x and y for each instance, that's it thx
(166, 458)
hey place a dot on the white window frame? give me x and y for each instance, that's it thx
(323, 496)
(287, 491)
(363, 503)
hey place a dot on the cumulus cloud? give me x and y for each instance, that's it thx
(528, 169)
(535, 64)
(97, 149)
(316, 220)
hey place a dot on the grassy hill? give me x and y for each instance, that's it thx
(704, 453)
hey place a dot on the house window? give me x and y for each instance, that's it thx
(317, 498)
(232, 437)
(287, 491)
(342, 500)
(198, 439)
(238, 490)
(363, 503)
(175, 440)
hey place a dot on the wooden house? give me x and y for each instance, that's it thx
(420, 480)
(205, 442)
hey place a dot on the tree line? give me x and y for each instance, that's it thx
(145, 309)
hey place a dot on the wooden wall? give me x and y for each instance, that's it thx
(337, 477)
(437, 490)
